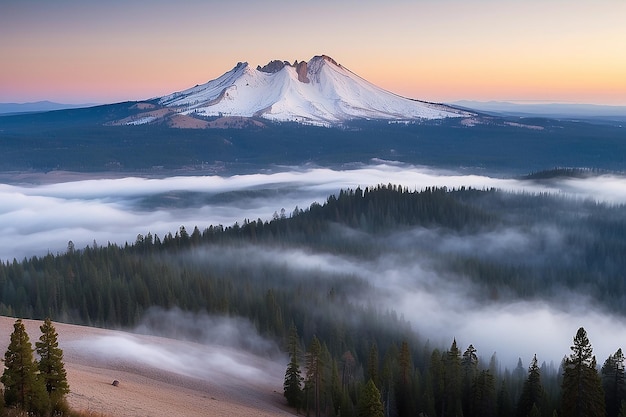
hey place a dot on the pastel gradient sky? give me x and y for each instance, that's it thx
(435, 50)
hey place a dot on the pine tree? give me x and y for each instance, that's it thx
(405, 401)
(369, 404)
(452, 382)
(335, 388)
(533, 393)
(346, 408)
(22, 386)
(483, 402)
(51, 367)
(314, 370)
(373, 364)
(516, 382)
(582, 394)
(436, 378)
(504, 407)
(292, 385)
(613, 383)
(469, 366)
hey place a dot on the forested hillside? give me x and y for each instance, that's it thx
(40, 142)
(311, 279)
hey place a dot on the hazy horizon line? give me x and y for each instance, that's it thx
(67, 104)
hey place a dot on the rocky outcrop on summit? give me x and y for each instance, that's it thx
(276, 65)
(301, 70)
(272, 66)
(327, 58)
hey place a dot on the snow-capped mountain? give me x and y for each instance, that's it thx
(319, 91)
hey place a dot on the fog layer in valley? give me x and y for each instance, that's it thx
(40, 219)
(441, 306)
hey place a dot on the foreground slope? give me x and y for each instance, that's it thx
(96, 357)
(319, 91)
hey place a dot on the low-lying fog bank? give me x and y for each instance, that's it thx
(40, 219)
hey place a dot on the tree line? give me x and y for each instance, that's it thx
(451, 384)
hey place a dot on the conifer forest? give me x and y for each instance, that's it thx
(350, 353)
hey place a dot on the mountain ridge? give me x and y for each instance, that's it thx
(39, 106)
(555, 110)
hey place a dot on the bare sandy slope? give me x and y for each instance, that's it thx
(94, 358)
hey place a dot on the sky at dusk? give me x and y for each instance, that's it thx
(446, 50)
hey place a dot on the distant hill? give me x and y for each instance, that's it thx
(38, 106)
(592, 112)
(91, 140)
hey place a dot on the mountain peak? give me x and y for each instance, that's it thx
(319, 91)
(273, 66)
(276, 64)
(302, 67)
(325, 58)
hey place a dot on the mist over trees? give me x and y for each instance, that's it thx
(342, 338)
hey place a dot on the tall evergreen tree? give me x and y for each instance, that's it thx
(293, 379)
(518, 376)
(369, 404)
(22, 386)
(533, 393)
(433, 385)
(483, 402)
(405, 398)
(582, 394)
(314, 373)
(613, 383)
(452, 382)
(335, 388)
(436, 378)
(348, 364)
(51, 367)
(504, 407)
(373, 365)
(494, 365)
(346, 408)
(388, 379)
(469, 369)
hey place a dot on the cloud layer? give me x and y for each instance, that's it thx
(40, 219)
(225, 353)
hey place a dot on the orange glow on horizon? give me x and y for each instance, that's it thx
(442, 51)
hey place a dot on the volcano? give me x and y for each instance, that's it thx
(319, 91)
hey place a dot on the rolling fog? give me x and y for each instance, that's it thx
(214, 349)
(40, 219)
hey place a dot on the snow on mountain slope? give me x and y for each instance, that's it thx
(319, 91)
